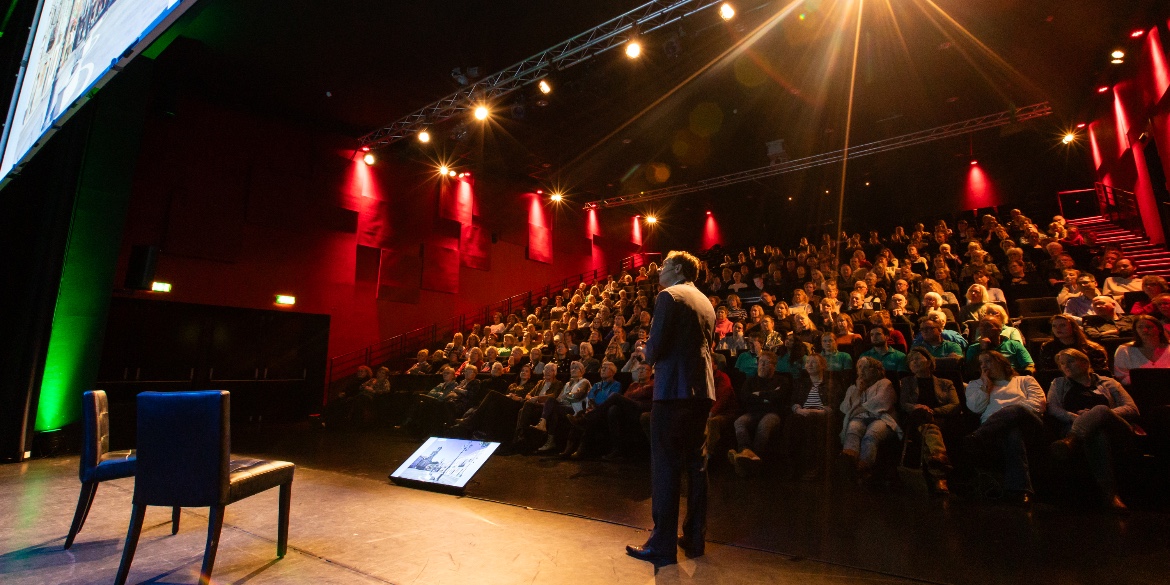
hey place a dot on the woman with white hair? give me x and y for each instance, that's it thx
(977, 298)
(933, 301)
(869, 416)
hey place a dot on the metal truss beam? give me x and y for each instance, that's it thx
(957, 129)
(595, 41)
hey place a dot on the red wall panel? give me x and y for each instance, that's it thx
(440, 271)
(399, 276)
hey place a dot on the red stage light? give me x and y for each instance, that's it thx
(1137, 33)
(708, 213)
(1081, 125)
(1103, 89)
(365, 149)
(974, 162)
(540, 191)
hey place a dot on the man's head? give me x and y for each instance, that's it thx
(1087, 284)
(1123, 268)
(931, 329)
(879, 336)
(990, 326)
(766, 364)
(678, 267)
(856, 300)
(1105, 306)
(608, 370)
(549, 372)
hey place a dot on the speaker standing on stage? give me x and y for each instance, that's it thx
(679, 348)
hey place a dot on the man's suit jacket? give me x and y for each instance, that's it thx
(679, 347)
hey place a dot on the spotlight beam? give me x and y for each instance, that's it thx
(1004, 118)
(615, 32)
(848, 127)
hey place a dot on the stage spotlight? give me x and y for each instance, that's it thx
(708, 212)
(633, 49)
(369, 159)
(651, 219)
(365, 149)
(424, 137)
(1117, 61)
(1119, 54)
(1103, 89)
(557, 197)
(974, 162)
(545, 88)
(450, 173)
(727, 11)
(443, 169)
(1068, 138)
(1137, 33)
(481, 112)
(1081, 125)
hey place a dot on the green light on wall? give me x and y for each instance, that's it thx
(286, 300)
(163, 287)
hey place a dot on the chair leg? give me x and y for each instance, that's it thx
(214, 527)
(175, 519)
(84, 500)
(137, 515)
(282, 522)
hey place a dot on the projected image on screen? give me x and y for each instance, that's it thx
(449, 462)
(74, 45)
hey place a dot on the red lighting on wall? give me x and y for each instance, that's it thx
(1158, 64)
(711, 234)
(979, 192)
(1094, 147)
(636, 234)
(592, 224)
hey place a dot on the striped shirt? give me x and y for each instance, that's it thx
(813, 402)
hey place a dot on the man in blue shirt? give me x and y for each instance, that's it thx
(932, 340)
(601, 391)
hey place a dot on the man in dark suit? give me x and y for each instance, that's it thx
(679, 348)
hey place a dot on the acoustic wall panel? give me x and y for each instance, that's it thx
(440, 270)
(399, 276)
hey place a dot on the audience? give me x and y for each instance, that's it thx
(929, 404)
(761, 397)
(869, 417)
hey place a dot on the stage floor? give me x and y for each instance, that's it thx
(530, 519)
(350, 530)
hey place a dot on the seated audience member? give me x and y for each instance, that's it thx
(761, 397)
(437, 407)
(894, 337)
(1067, 334)
(747, 362)
(806, 434)
(570, 400)
(929, 404)
(423, 366)
(994, 295)
(990, 337)
(844, 331)
(474, 361)
(1152, 286)
(1107, 322)
(932, 341)
(495, 417)
(783, 319)
(725, 408)
(755, 316)
(735, 311)
(589, 424)
(977, 298)
(791, 361)
(592, 365)
(1147, 350)
(1068, 287)
(1020, 284)
(723, 325)
(1122, 280)
(933, 301)
(1094, 414)
(535, 359)
(1010, 407)
(836, 361)
(548, 388)
(898, 310)
(517, 359)
(1008, 331)
(804, 329)
(800, 302)
(869, 417)
(953, 336)
(856, 308)
(737, 284)
(769, 338)
(1082, 304)
(891, 359)
(733, 342)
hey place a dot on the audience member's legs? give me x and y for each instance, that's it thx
(1102, 418)
(876, 432)
(743, 427)
(767, 425)
(854, 431)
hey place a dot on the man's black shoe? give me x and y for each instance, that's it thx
(689, 549)
(657, 557)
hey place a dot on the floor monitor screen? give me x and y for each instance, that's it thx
(444, 462)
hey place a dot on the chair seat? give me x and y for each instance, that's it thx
(248, 477)
(112, 465)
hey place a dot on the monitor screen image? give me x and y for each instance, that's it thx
(75, 44)
(447, 462)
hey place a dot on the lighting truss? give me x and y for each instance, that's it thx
(957, 129)
(595, 41)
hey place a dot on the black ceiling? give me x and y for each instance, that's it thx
(353, 65)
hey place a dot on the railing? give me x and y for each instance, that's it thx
(1120, 207)
(406, 344)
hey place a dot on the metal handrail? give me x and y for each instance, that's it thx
(403, 344)
(1120, 207)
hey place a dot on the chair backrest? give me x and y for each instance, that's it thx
(184, 446)
(1129, 298)
(1037, 307)
(1149, 388)
(96, 442)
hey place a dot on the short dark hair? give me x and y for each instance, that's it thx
(687, 263)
